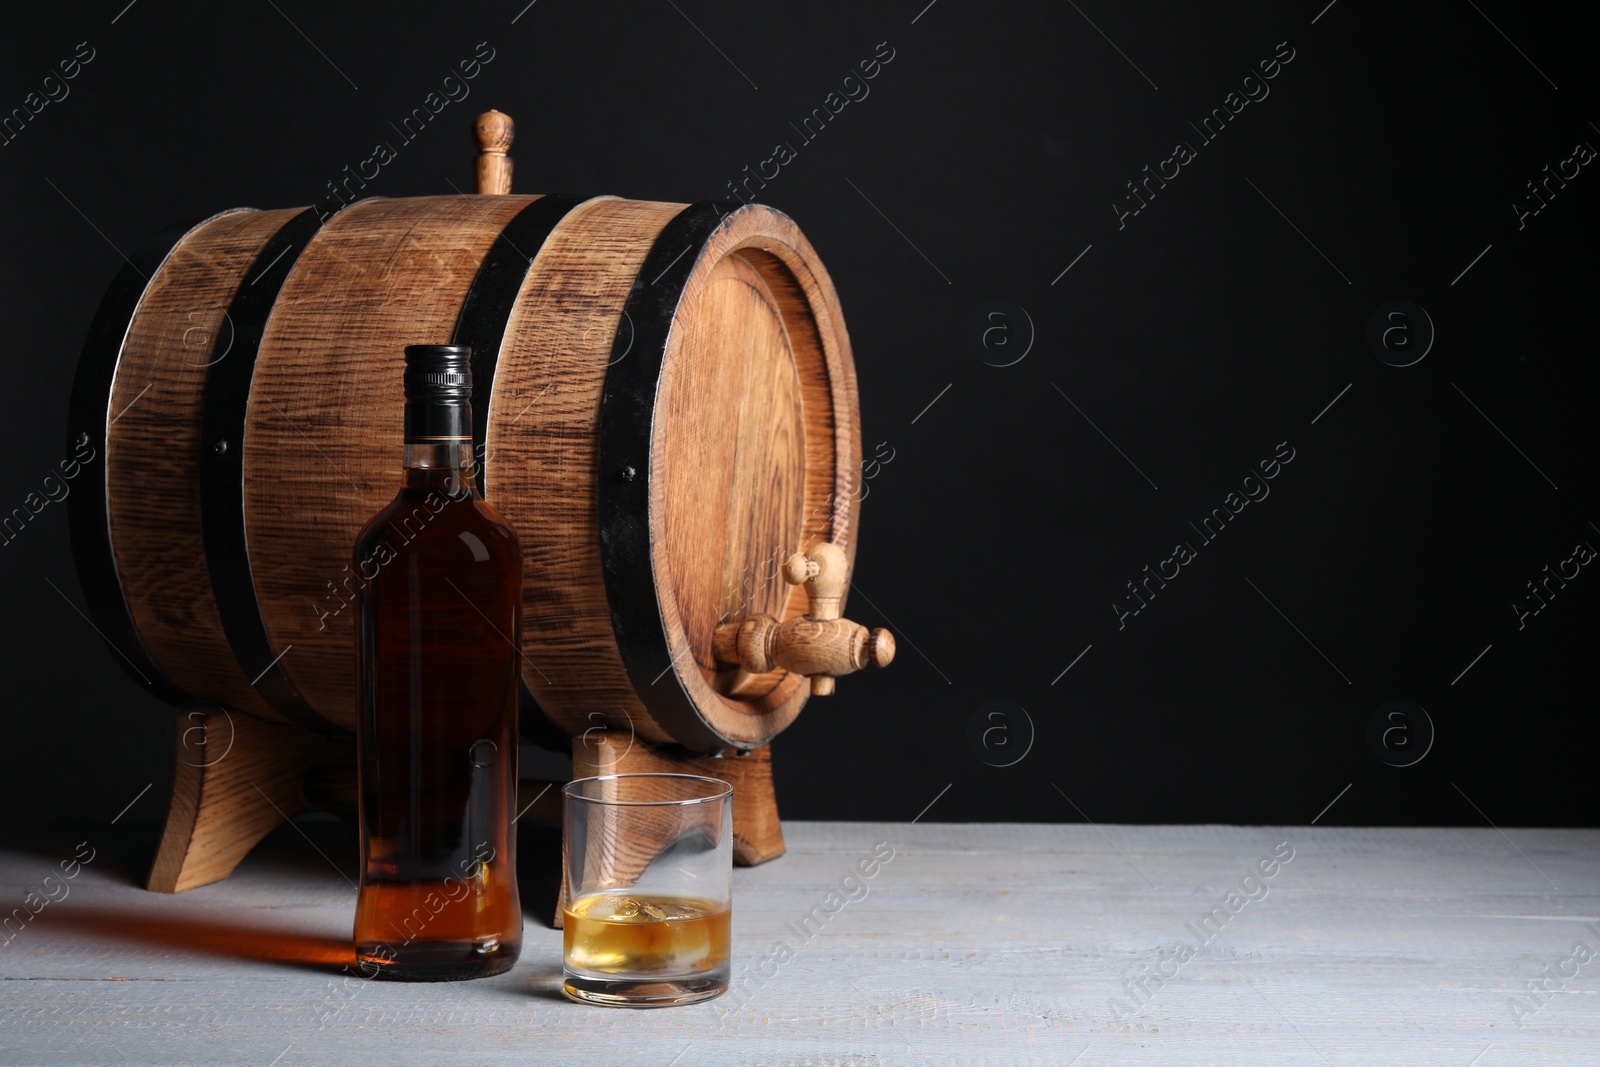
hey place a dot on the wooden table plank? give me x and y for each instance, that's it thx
(982, 944)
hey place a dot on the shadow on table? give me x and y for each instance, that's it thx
(304, 850)
(208, 934)
(315, 847)
(531, 980)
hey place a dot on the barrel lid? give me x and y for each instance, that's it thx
(730, 424)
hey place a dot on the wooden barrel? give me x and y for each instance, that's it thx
(665, 409)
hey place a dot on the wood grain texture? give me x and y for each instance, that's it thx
(236, 778)
(754, 447)
(725, 311)
(799, 282)
(494, 132)
(819, 645)
(733, 465)
(746, 373)
(153, 455)
(542, 456)
(975, 944)
(821, 649)
(757, 833)
(324, 431)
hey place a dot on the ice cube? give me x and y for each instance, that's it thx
(677, 911)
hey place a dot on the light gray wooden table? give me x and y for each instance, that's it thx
(981, 944)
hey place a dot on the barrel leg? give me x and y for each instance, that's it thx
(235, 779)
(757, 833)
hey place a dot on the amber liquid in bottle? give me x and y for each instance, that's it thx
(439, 611)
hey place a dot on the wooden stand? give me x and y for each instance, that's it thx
(757, 833)
(235, 779)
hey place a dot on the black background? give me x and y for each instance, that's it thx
(987, 157)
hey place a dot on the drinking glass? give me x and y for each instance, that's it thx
(649, 873)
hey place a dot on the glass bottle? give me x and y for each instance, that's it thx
(439, 603)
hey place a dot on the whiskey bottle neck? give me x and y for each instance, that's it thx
(438, 420)
(440, 465)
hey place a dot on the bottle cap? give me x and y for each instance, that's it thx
(438, 372)
(438, 383)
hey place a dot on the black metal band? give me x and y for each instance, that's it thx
(627, 416)
(88, 508)
(486, 311)
(222, 431)
(485, 314)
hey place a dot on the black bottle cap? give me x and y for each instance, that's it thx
(438, 385)
(442, 371)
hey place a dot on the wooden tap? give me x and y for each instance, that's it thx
(819, 645)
